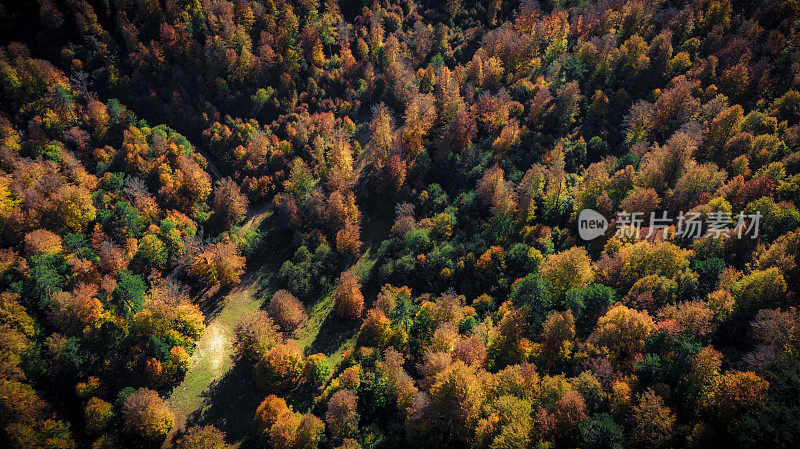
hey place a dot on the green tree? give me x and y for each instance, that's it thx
(129, 293)
(600, 432)
(532, 294)
(588, 304)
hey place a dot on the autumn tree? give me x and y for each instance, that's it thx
(759, 289)
(286, 310)
(458, 135)
(567, 104)
(145, 417)
(644, 258)
(348, 239)
(221, 263)
(558, 335)
(98, 414)
(202, 437)
(281, 368)
(75, 207)
(342, 416)
(268, 412)
(623, 331)
(230, 205)
(496, 192)
(456, 400)
(152, 252)
(73, 312)
(732, 394)
(567, 269)
(569, 412)
(375, 329)
(42, 241)
(651, 422)
(187, 187)
(255, 335)
(310, 432)
(283, 433)
(348, 300)
(724, 126)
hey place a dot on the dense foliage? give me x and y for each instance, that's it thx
(135, 136)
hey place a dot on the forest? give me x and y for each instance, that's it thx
(379, 224)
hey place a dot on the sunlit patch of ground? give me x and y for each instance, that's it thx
(212, 358)
(216, 350)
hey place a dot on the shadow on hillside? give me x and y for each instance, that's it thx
(212, 300)
(377, 219)
(333, 333)
(376, 223)
(230, 404)
(274, 248)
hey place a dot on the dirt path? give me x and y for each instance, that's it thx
(211, 360)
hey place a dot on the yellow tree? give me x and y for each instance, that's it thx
(457, 398)
(568, 269)
(651, 422)
(731, 395)
(74, 207)
(623, 331)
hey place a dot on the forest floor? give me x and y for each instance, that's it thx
(212, 358)
(324, 332)
(215, 390)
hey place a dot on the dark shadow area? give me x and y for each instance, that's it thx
(230, 404)
(377, 219)
(266, 258)
(275, 246)
(212, 304)
(274, 249)
(376, 223)
(332, 334)
(301, 399)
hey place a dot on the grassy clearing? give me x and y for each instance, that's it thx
(217, 392)
(212, 358)
(326, 333)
